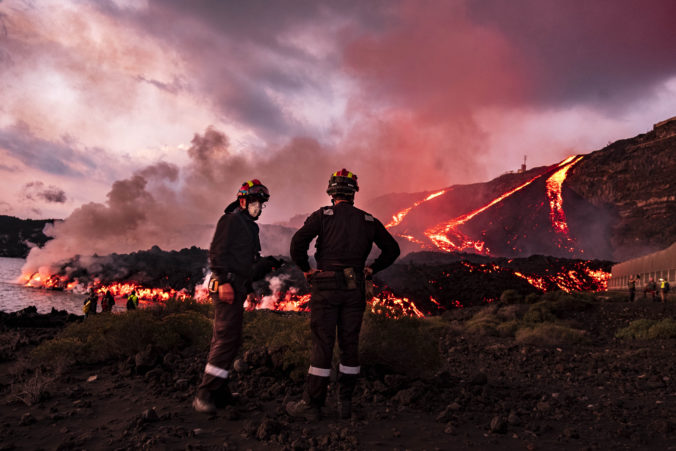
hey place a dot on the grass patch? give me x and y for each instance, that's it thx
(485, 322)
(285, 336)
(648, 329)
(406, 345)
(103, 337)
(34, 390)
(556, 305)
(549, 334)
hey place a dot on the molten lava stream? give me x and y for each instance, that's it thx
(554, 186)
(448, 238)
(397, 218)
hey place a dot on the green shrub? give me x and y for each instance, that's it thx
(557, 304)
(511, 312)
(406, 345)
(548, 334)
(285, 334)
(174, 305)
(507, 329)
(485, 322)
(539, 313)
(645, 329)
(511, 297)
(103, 337)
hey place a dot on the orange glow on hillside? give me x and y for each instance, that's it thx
(554, 186)
(448, 238)
(397, 218)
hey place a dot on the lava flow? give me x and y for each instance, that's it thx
(56, 282)
(397, 218)
(554, 189)
(448, 238)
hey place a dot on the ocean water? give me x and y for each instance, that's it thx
(14, 296)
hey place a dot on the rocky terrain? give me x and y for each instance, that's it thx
(634, 180)
(481, 389)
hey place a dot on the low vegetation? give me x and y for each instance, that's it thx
(646, 329)
(104, 337)
(536, 320)
(405, 345)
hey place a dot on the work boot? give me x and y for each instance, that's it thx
(345, 409)
(224, 397)
(203, 406)
(302, 409)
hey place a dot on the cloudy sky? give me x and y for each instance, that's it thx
(167, 104)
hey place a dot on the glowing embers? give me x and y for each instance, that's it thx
(288, 301)
(387, 304)
(558, 217)
(118, 289)
(449, 238)
(397, 218)
(147, 294)
(49, 281)
(580, 278)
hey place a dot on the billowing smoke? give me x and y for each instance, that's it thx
(175, 208)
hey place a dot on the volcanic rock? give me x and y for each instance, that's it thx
(27, 419)
(498, 425)
(145, 360)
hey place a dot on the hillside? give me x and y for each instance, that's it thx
(17, 236)
(615, 203)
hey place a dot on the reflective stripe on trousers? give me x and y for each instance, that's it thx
(348, 369)
(216, 371)
(321, 372)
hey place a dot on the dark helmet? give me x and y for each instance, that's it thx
(342, 183)
(254, 190)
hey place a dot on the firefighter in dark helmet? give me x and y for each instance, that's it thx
(233, 254)
(345, 236)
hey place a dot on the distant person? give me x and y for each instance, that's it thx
(632, 289)
(90, 303)
(132, 301)
(651, 288)
(345, 236)
(107, 302)
(664, 290)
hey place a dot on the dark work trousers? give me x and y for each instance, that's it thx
(225, 343)
(330, 310)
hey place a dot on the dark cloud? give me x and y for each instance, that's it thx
(604, 52)
(38, 191)
(173, 88)
(51, 157)
(241, 55)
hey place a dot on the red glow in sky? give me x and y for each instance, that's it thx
(124, 116)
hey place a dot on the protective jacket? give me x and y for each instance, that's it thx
(345, 237)
(232, 254)
(235, 246)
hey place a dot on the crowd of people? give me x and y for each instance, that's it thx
(651, 288)
(91, 302)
